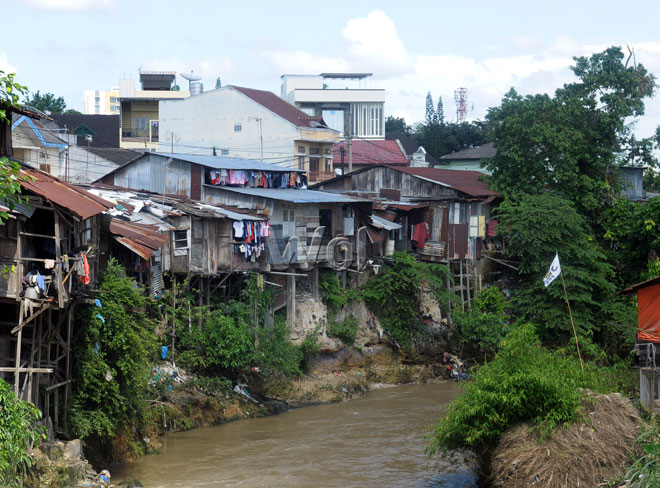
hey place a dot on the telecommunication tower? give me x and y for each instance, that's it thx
(461, 99)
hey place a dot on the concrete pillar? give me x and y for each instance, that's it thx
(315, 282)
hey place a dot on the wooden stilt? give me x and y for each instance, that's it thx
(460, 261)
(467, 283)
(19, 339)
(67, 377)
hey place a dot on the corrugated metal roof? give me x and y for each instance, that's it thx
(142, 239)
(484, 151)
(382, 223)
(465, 181)
(79, 201)
(206, 210)
(371, 153)
(293, 195)
(222, 162)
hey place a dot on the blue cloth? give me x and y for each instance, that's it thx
(163, 352)
(97, 348)
(41, 282)
(98, 316)
(97, 302)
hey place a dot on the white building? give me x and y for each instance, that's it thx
(101, 102)
(344, 100)
(249, 124)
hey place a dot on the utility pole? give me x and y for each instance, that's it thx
(261, 135)
(349, 139)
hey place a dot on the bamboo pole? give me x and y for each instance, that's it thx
(570, 314)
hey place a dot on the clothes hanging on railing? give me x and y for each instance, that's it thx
(248, 237)
(257, 179)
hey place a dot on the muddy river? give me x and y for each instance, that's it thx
(374, 441)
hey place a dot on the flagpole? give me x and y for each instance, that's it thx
(570, 314)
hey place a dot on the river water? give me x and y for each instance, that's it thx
(374, 441)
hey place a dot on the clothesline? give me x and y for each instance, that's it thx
(257, 179)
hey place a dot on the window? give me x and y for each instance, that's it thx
(238, 127)
(327, 151)
(301, 162)
(301, 149)
(314, 150)
(180, 239)
(141, 123)
(313, 164)
(114, 99)
(288, 222)
(224, 152)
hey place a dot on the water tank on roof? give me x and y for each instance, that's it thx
(196, 88)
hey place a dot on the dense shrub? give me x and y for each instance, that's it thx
(483, 327)
(394, 295)
(18, 433)
(334, 296)
(114, 348)
(525, 382)
(345, 330)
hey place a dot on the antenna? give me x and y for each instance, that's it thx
(461, 99)
(191, 78)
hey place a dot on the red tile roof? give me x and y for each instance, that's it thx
(280, 107)
(465, 181)
(371, 153)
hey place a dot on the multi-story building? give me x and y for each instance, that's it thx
(251, 124)
(102, 102)
(138, 108)
(140, 128)
(346, 101)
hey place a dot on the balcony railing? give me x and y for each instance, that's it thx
(317, 176)
(139, 135)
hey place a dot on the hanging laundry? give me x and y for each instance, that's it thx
(82, 268)
(238, 229)
(420, 235)
(492, 228)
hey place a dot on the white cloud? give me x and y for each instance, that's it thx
(302, 62)
(72, 5)
(374, 40)
(5, 65)
(370, 43)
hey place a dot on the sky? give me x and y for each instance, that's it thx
(67, 46)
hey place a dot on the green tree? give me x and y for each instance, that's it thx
(71, 111)
(396, 124)
(440, 112)
(430, 117)
(567, 144)
(18, 433)
(47, 102)
(114, 349)
(537, 226)
(10, 92)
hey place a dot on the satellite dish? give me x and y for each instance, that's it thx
(191, 77)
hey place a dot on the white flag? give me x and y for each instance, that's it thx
(553, 272)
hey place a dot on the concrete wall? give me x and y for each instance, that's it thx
(208, 120)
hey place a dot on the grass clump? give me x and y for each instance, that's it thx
(345, 330)
(524, 382)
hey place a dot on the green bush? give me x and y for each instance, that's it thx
(223, 343)
(344, 331)
(309, 348)
(114, 349)
(276, 355)
(394, 295)
(484, 326)
(525, 382)
(18, 433)
(332, 292)
(645, 471)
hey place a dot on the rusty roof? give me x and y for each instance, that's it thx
(371, 153)
(280, 107)
(142, 239)
(80, 202)
(467, 182)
